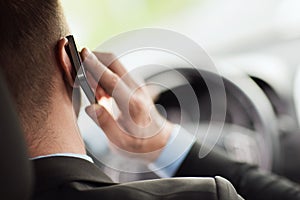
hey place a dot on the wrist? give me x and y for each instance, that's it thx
(156, 144)
(165, 134)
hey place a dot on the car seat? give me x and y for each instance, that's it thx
(15, 170)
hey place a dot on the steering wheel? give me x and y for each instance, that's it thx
(249, 133)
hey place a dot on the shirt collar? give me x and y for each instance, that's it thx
(72, 155)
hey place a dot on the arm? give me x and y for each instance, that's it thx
(249, 181)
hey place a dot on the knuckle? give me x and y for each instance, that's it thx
(113, 81)
(137, 145)
(137, 103)
(111, 56)
(110, 80)
(102, 120)
(108, 58)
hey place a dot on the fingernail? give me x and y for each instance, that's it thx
(86, 52)
(94, 110)
(98, 110)
(89, 109)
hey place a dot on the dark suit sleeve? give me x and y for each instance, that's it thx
(249, 181)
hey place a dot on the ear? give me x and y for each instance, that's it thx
(64, 61)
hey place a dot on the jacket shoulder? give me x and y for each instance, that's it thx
(171, 189)
(225, 189)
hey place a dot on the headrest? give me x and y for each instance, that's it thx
(15, 169)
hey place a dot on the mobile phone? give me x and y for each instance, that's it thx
(78, 69)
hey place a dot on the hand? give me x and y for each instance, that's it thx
(139, 128)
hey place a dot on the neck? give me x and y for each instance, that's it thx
(60, 133)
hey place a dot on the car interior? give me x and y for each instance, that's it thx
(257, 60)
(16, 171)
(262, 122)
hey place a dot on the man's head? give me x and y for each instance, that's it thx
(32, 55)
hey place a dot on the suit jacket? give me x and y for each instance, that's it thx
(73, 178)
(250, 182)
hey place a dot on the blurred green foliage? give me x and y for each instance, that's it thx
(93, 21)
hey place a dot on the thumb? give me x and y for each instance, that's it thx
(105, 121)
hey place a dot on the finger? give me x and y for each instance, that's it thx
(93, 65)
(109, 60)
(98, 90)
(107, 123)
(108, 80)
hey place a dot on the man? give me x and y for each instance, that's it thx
(39, 75)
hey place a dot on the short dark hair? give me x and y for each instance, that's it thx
(30, 30)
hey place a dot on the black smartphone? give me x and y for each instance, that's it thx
(78, 69)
